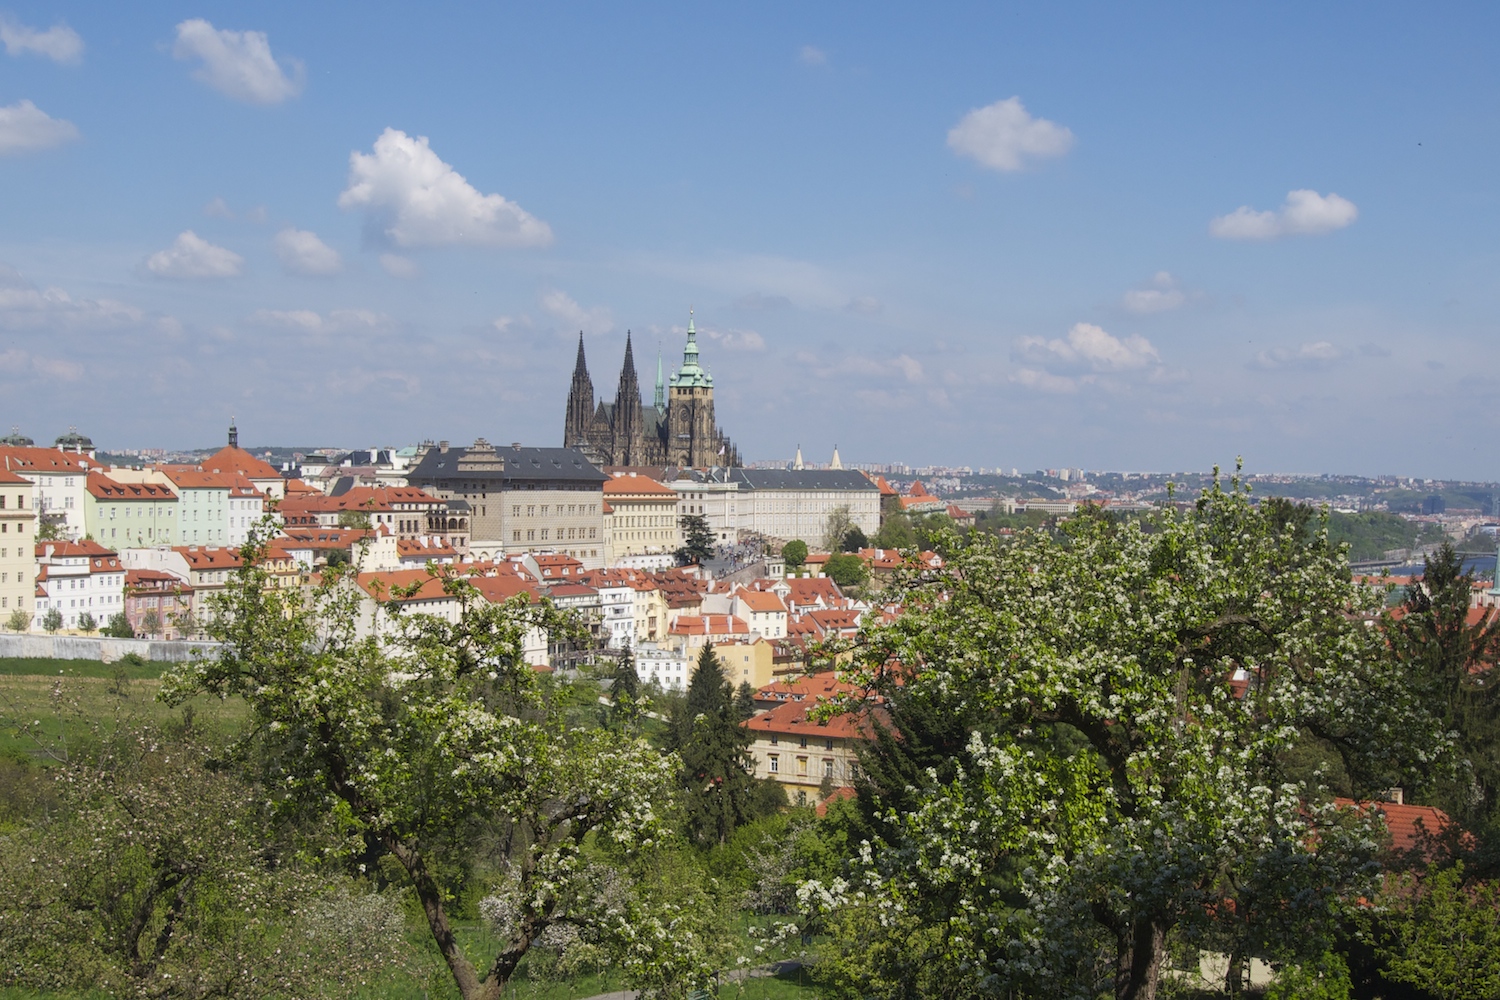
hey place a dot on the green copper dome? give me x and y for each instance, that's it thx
(691, 375)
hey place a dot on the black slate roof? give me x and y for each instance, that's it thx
(520, 465)
(801, 479)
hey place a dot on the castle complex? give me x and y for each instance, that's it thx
(677, 429)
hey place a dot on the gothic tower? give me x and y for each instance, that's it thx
(629, 432)
(580, 404)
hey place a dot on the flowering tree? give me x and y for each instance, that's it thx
(433, 740)
(155, 875)
(1135, 690)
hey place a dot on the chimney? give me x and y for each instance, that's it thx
(516, 445)
(442, 447)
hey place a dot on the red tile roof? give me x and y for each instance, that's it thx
(624, 484)
(44, 460)
(238, 460)
(104, 488)
(760, 600)
(709, 625)
(1405, 823)
(61, 549)
(204, 557)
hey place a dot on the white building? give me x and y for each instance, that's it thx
(60, 484)
(778, 503)
(713, 494)
(75, 579)
(665, 666)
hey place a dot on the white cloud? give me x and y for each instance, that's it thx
(334, 321)
(238, 64)
(1314, 356)
(301, 252)
(1088, 348)
(731, 340)
(576, 317)
(1161, 295)
(398, 266)
(1004, 136)
(812, 56)
(191, 256)
(1304, 213)
(25, 306)
(218, 209)
(1044, 381)
(24, 128)
(59, 43)
(414, 199)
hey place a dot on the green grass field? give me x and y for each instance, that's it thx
(47, 706)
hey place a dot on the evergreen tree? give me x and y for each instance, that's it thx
(720, 793)
(744, 701)
(1455, 660)
(625, 692)
(697, 539)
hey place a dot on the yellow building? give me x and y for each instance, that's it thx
(642, 518)
(747, 662)
(17, 547)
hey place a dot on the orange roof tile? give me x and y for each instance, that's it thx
(633, 485)
(238, 460)
(44, 460)
(104, 488)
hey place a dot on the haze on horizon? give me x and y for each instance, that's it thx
(1145, 238)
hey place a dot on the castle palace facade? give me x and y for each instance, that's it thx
(677, 429)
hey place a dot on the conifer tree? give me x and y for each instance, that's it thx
(1455, 660)
(720, 792)
(625, 692)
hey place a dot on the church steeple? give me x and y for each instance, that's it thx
(629, 429)
(660, 400)
(234, 434)
(580, 403)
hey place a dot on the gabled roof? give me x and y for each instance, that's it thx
(196, 479)
(11, 479)
(101, 487)
(380, 585)
(63, 550)
(49, 460)
(709, 625)
(209, 557)
(760, 600)
(634, 485)
(1406, 823)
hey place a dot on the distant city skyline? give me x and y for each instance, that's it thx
(1155, 237)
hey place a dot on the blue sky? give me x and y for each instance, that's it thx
(1109, 236)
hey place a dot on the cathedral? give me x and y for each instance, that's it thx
(677, 429)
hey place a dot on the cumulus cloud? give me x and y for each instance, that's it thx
(812, 56)
(24, 306)
(1088, 348)
(238, 64)
(903, 366)
(191, 256)
(218, 209)
(1161, 294)
(733, 340)
(59, 43)
(301, 252)
(1004, 136)
(1314, 356)
(1042, 381)
(398, 266)
(1304, 213)
(574, 316)
(414, 199)
(25, 128)
(334, 321)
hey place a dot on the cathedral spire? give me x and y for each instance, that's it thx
(629, 359)
(660, 401)
(580, 367)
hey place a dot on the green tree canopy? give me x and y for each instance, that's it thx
(52, 620)
(795, 553)
(118, 626)
(435, 741)
(846, 569)
(854, 539)
(720, 791)
(697, 539)
(840, 520)
(1114, 787)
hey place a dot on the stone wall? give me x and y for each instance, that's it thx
(78, 647)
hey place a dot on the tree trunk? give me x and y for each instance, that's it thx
(1234, 978)
(1141, 947)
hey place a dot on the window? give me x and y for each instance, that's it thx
(828, 743)
(773, 739)
(531, 535)
(802, 766)
(515, 536)
(773, 764)
(827, 767)
(802, 742)
(544, 534)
